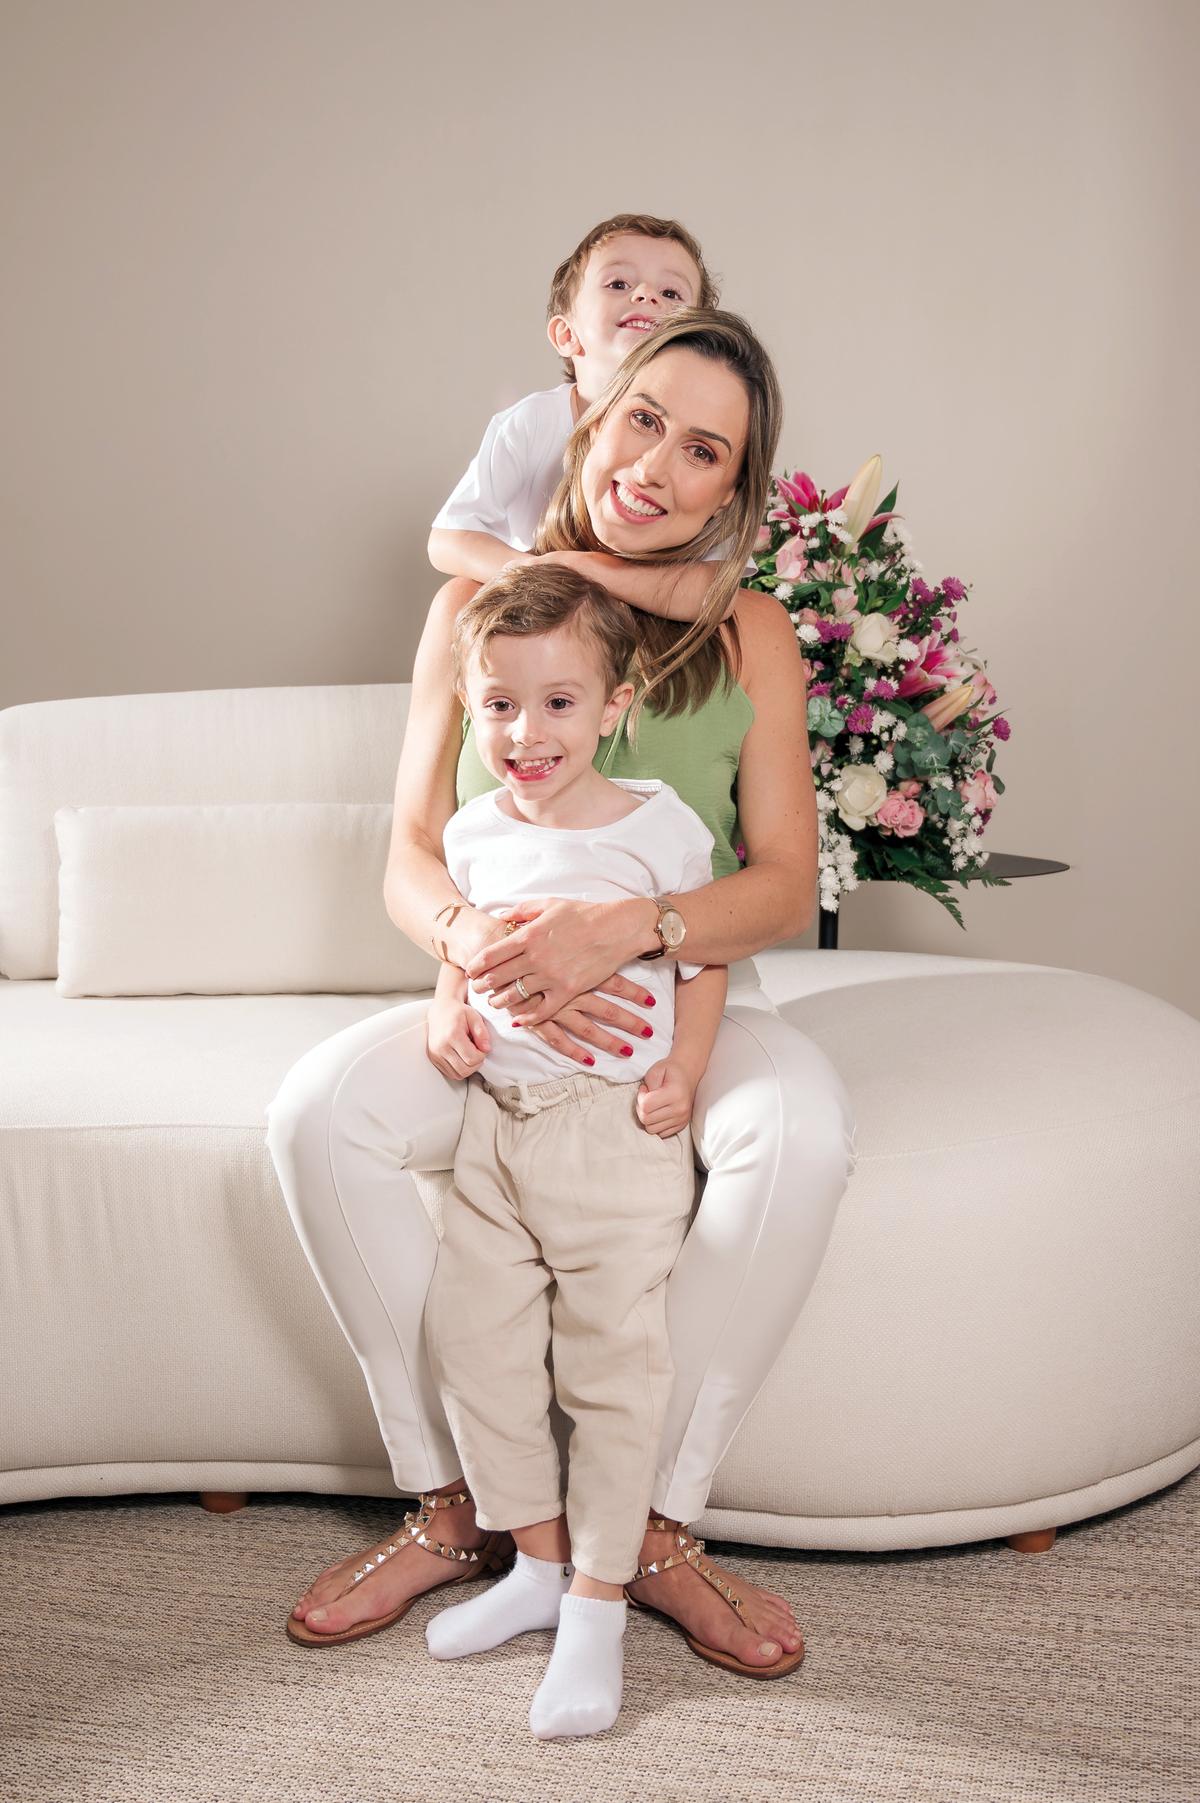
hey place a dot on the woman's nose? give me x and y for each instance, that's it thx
(646, 469)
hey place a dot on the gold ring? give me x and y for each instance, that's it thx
(522, 991)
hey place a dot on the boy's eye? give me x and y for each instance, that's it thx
(498, 707)
(560, 703)
(618, 281)
(672, 294)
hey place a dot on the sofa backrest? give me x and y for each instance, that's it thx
(211, 745)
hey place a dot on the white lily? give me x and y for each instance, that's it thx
(861, 497)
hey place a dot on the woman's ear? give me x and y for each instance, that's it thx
(561, 334)
(615, 706)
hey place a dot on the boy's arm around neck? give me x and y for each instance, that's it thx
(672, 591)
(474, 554)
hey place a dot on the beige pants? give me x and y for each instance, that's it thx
(566, 1220)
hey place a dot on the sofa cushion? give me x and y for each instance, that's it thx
(212, 745)
(248, 899)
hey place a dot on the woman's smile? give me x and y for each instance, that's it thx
(632, 505)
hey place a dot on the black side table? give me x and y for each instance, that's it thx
(1000, 863)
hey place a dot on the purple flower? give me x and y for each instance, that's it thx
(834, 629)
(861, 720)
(920, 591)
(1000, 727)
(952, 635)
(954, 588)
(880, 690)
(819, 688)
(844, 703)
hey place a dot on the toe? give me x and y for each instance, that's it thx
(754, 1648)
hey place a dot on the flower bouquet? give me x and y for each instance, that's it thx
(902, 743)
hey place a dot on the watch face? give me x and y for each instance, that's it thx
(673, 929)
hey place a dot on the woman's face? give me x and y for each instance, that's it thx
(668, 454)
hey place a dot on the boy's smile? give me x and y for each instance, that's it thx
(629, 286)
(539, 710)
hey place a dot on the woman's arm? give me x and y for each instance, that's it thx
(474, 554)
(417, 890)
(673, 591)
(772, 899)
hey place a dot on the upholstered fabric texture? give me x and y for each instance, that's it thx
(1006, 1313)
(212, 745)
(243, 899)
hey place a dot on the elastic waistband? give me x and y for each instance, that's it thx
(524, 1099)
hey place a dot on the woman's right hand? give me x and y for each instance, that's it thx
(595, 1021)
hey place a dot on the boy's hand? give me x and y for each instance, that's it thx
(664, 1098)
(456, 1038)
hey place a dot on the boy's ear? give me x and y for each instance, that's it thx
(617, 702)
(561, 334)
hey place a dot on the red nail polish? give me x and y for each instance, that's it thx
(589, 1061)
(649, 1001)
(647, 1032)
(627, 1051)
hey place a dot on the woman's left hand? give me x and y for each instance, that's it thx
(560, 950)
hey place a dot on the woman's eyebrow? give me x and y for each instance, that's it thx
(699, 431)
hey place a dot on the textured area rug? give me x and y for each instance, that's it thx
(143, 1660)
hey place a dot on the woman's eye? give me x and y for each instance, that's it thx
(704, 453)
(640, 417)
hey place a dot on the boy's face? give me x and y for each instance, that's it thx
(539, 710)
(629, 285)
(666, 457)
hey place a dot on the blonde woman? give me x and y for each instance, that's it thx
(672, 460)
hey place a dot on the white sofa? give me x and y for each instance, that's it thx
(1004, 1336)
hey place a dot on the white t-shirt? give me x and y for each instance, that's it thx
(509, 482)
(661, 848)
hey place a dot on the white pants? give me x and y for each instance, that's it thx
(772, 1126)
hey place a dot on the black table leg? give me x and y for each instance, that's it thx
(827, 930)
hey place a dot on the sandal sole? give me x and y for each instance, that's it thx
(300, 1634)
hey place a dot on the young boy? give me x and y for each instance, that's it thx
(627, 275)
(572, 1191)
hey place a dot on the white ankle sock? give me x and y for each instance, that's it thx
(581, 1692)
(527, 1598)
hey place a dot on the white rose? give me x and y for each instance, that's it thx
(860, 794)
(875, 636)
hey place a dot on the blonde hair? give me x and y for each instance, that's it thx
(537, 598)
(679, 665)
(564, 284)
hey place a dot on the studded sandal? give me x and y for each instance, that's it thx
(690, 1551)
(494, 1555)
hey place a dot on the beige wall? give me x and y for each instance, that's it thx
(271, 266)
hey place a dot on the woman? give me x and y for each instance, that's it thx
(671, 461)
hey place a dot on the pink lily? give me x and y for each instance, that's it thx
(932, 670)
(800, 490)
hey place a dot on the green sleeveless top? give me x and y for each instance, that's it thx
(697, 753)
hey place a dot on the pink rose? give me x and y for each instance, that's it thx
(979, 791)
(898, 814)
(791, 562)
(808, 616)
(909, 787)
(809, 669)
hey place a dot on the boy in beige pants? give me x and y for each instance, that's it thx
(572, 1192)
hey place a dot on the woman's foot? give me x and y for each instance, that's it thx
(761, 1635)
(335, 1601)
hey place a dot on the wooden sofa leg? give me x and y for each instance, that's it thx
(1039, 1541)
(223, 1502)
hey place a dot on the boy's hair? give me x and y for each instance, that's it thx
(564, 284)
(678, 666)
(537, 598)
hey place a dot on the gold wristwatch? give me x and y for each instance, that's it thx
(670, 927)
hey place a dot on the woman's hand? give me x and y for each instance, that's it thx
(560, 950)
